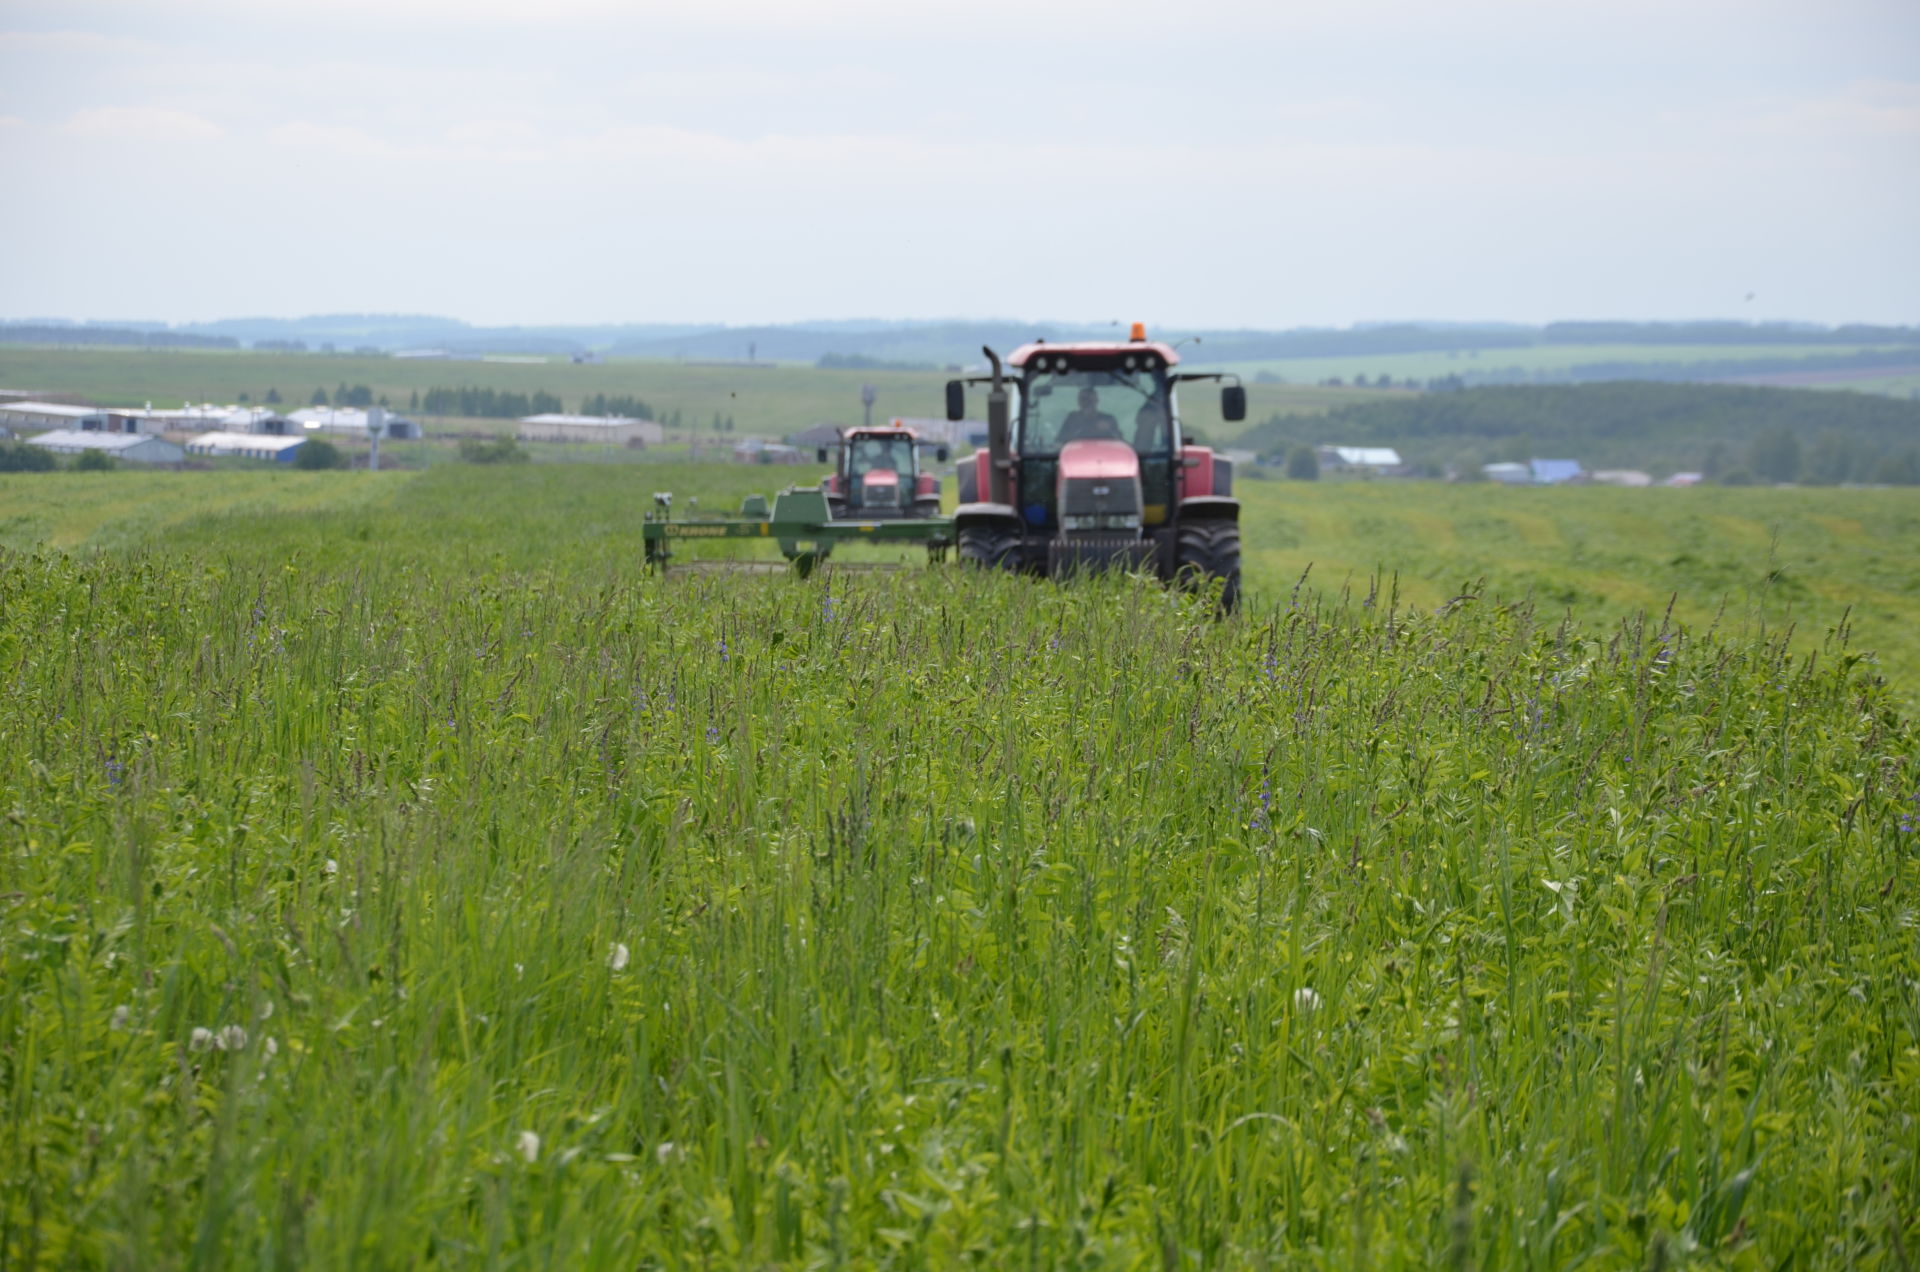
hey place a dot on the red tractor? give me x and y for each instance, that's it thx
(1086, 469)
(878, 475)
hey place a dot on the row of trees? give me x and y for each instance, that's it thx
(491, 404)
(625, 404)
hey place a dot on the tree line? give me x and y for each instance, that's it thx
(1728, 432)
(492, 404)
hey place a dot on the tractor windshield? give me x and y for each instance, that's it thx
(1083, 405)
(893, 452)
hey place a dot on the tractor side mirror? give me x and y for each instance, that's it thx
(1233, 402)
(940, 454)
(821, 454)
(956, 400)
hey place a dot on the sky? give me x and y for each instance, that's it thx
(1213, 163)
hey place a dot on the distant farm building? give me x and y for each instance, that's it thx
(605, 430)
(128, 446)
(353, 421)
(1621, 477)
(825, 433)
(27, 417)
(246, 446)
(204, 418)
(1509, 474)
(1555, 472)
(1684, 479)
(1375, 460)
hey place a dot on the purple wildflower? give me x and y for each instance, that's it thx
(115, 771)
(713, 735)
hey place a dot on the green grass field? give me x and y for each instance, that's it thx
(392, 876)
(1553, 357)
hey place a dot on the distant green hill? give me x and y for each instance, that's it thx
(1776, 434)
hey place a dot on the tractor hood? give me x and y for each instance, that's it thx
(1099, 459)
(1099, 488)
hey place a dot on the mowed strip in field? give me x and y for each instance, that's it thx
(1743, 559)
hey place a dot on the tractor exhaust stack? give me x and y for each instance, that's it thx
(999, 443)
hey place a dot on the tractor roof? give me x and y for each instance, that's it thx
(1102, 348)
(895, 429)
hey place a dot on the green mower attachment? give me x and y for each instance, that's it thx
(799, 521)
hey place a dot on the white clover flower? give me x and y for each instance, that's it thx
(232, 1038)
(332, 867)
(200, 1039)
(617, 958)
(122, 1017)
(665, 1152)
(528, 1146)
(1305, 999)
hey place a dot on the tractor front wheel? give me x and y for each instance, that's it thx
(1210, 550)
(989, 547)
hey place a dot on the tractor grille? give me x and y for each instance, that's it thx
(882, 496)
(1090, 554)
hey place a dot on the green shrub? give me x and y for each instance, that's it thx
(94, 461)
(318, 452)
(1303, 464)
(502, 450)
(18, 457)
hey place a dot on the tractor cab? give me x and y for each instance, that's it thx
(878, 475)
(1086, 466)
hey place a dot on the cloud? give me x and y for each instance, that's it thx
(142, 123)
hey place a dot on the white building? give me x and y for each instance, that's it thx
(191, 418)
(128, 446)
(246, 446)
(1621, 477)
(352, 421)
(1359, 459)
(28, 417)
(1509, 474)
(606, 430)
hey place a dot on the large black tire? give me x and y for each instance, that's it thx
(989, 547)
(1207, 550)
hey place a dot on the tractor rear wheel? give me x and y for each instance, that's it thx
(1210, 550)
(989, 547)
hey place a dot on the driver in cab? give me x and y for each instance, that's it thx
(1089, 423)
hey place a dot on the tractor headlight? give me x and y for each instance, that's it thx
(1101, 521)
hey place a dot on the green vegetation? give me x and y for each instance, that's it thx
(764, 400)
(394, 876)
(318, 452)
(1841, 437)
(18, 457)
(502, 450)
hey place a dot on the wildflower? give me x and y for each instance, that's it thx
(528, 1146)
(713, 735)
(331, 867)
(232, 1038)
(269, 1046)
(1305, 999)
(723, 649)
(122, 1015)
(666, 1152)
(115, 771)
(617, 958)
(200, 1039)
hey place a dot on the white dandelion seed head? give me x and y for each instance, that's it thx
(665, 1152)
(266, 1009)
(528, 1146)
(1305, 999)
(200, 1039)
(269, 1046)
(232, 1038)
(331, 867)
(617, 957)
(122, 1017)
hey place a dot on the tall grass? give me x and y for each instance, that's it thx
(418, 897)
